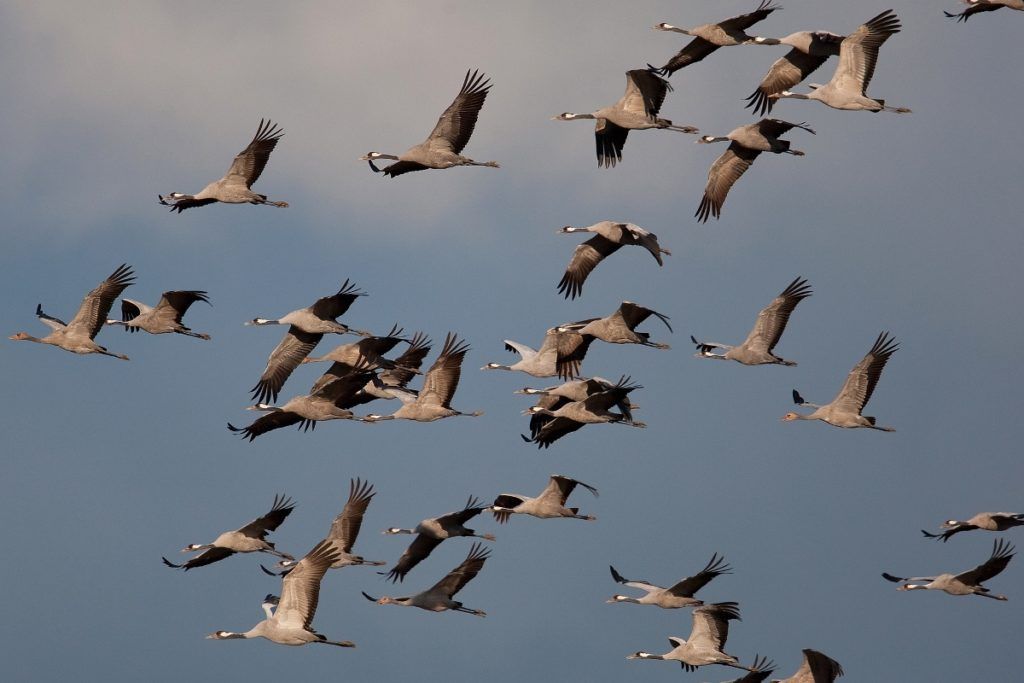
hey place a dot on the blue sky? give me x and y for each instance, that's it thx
(901, 223)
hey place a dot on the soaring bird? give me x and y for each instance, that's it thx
(609, 237)
(707, 639)
(845, 408)
(677, 595)
(291, 623)
(987, 521)
(248, 539)
(975, 6)
(442, 149)
(757, 348)
(745, 144)
(431, 532)
(594, 409)
(245, 170)
(440, 596)
(553, 398)
(710, 37)
(77, 336)
(549, 504)
(858, 54)
(964, 583)
(810, 50)
(166, 317)
(637, 109)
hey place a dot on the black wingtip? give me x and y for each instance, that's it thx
(797, 398)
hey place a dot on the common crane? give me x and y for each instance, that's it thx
(245, 170)
(553, 398)
(306, 327)
(964, 583)
(77, 336)
(365, 355)
(609, 237)
(165, 317)
(558, 355)
(707, 639)
(291, 623)
(988, 521)
(431, 532)
(858, 54)
(816, 668)
(678, 595)
(595, 409)
(810, 50)
(975, 6)
(771, 322)
(442, 149)
(637, 109)
(550, 504)
(440, 596)
(745, 144)
(247, 539)
(620, 326)
(845, 408)
(710, 37)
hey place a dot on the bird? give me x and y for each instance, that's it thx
(816, 668)
(549, 504)
(760, 670)
(988, 521)
(560, 354)
(345, 529)
(431, 532)
(247, 539)
(439, 597)
(365, 355)
(327, 401)
(77, 336)
(407, 366)
(964, 583)
(858, 53)
(637, 109)
(609, 237)
(433, 402)
(291, 623)
(620, 326)
(166, 317)
(707, 639)
(757, 348)
(678, 595)
(306, 327)
(595, 409)
(845, 408)
(553, 398)
(810, 50)
(443, 147)
(975, 6)
(234, 187)
(745, 144)
(710, 37)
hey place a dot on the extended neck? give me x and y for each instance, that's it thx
(622, 598)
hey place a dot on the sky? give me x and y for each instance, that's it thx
(906, 223)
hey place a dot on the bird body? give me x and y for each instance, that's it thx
(637, 109)
(550, 504)
(816, 668)
(609, 237)
(620, 326)
(845, 409)
(234, 187)
(679, 594)
(77, 336)
(964, 583)
(440, 596)
(453, 130)
(706, 642)
(164, 318)
(757, 348)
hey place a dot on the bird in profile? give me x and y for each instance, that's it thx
(816, 668)
(845, 408)
(757, 348)
(745, 144)
(677, 595)
(594, 409)
(443, 148)
(306, 327)
(344, 529)
(858, 54)
(707, 639)
(620, 326)
(609, 237)
(245, 170)
(290, 618)
(431, 532)
(976, 6)
(964, 583)
(248, 539)
(987, 521)
(77, 336)
(637, 109)
(553, 398)
(710, 37)
(166, 317)
(440, 596)
(550, 504)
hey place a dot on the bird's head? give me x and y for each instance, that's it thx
(565, 116)
(20, 336)
(789, 417)
(950, 523)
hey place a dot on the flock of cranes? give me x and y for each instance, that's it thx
(361, 372)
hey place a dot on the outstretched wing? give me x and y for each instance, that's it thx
(96, 305)
(645, 92)
(300, 588)
(259, 527)
(295, 346)
(1002, 553)
(456, 124)
(609, 140)
(249, 163)
(464, 573)
(633, 314)
(269, 422)
(859, 52)
(772, 320)
(345, 527)
(715, 567)
(726, 170)
(711, 625)
(584, 259)
(861, 381)
(786, 72)
(172, 305)
(330, 307)
(443, 377)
